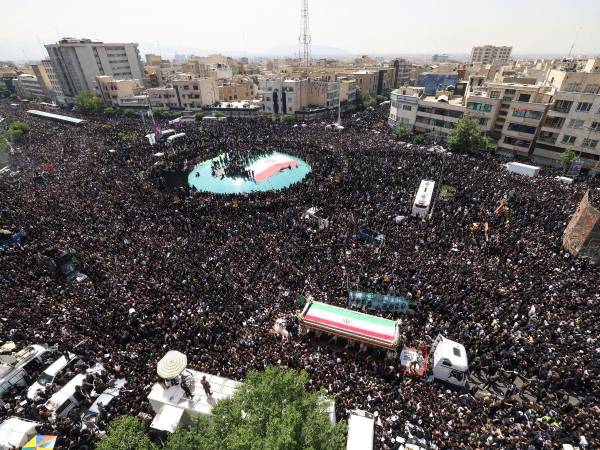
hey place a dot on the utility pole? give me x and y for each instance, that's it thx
(305, 39)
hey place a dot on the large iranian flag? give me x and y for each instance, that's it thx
(353, 324)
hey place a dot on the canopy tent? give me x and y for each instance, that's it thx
(350, 324)
(15, 432)
(59, 117)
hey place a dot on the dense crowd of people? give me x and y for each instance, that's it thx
(234, 164)
(209, 275)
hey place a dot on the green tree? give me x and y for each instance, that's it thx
(129, 112)
(110, 111)
(567, 157)
(219, 114)
(419, 139)
(87, 101)
(465, 137)
(126, 433)
(402, 131)
(288, 119)
(199, 116)
(271, 410)
(106, 127)
(175, 114)
(368, 101)
(158, 114)
(17, 129)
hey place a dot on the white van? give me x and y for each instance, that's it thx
(360, 430)
(173, 138)
(13, 368)
(49, 374)
(65, 400)
(450, 362)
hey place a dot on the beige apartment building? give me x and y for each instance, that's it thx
(487, 54)
(573, 121)
(121, 93)
(239, 88)
(187, 92)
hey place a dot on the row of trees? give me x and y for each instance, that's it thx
(271, 410)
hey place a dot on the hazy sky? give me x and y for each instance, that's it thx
(258, 26)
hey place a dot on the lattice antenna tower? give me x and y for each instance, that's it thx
(304, 39)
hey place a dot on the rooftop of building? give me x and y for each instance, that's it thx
(455, 101)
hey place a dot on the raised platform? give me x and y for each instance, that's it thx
(172, 406)
(271, 173)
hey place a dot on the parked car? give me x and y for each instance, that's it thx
(49, 374)
(68, 398)
(14, 367)
(105, 398)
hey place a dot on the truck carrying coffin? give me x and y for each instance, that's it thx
(352, 325)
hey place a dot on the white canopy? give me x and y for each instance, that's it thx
(16, 432)
(167, 419)
(171, 365)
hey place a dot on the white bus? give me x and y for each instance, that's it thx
(173, 138)
(423, 198)
(360, 430)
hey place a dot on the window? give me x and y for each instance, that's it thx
(516, 141)
(584, 106)
(407, 107)
(591, 89)
(563, 106)
(568, 139)
(485, 107)
(495, 94)
(521, 128)
(573, 87)
(595, 126)
(524, 97)
(590, 143)
(576, 123)
(510, 92)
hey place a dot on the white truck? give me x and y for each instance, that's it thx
(450, 363)
(523, 169)
(361, 430)
(13, 368)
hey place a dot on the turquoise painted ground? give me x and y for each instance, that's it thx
(205, 182)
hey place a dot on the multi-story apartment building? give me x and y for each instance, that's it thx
(29, 87)
(573, 121)
(366, 80)
(41, 73)
(239, 88)
(403, 69)
(487, 54)
(124, 93)
(54, 81)
(347, 93)
(509, 113)
(306, 98)
(185, 92)
(77, 62)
